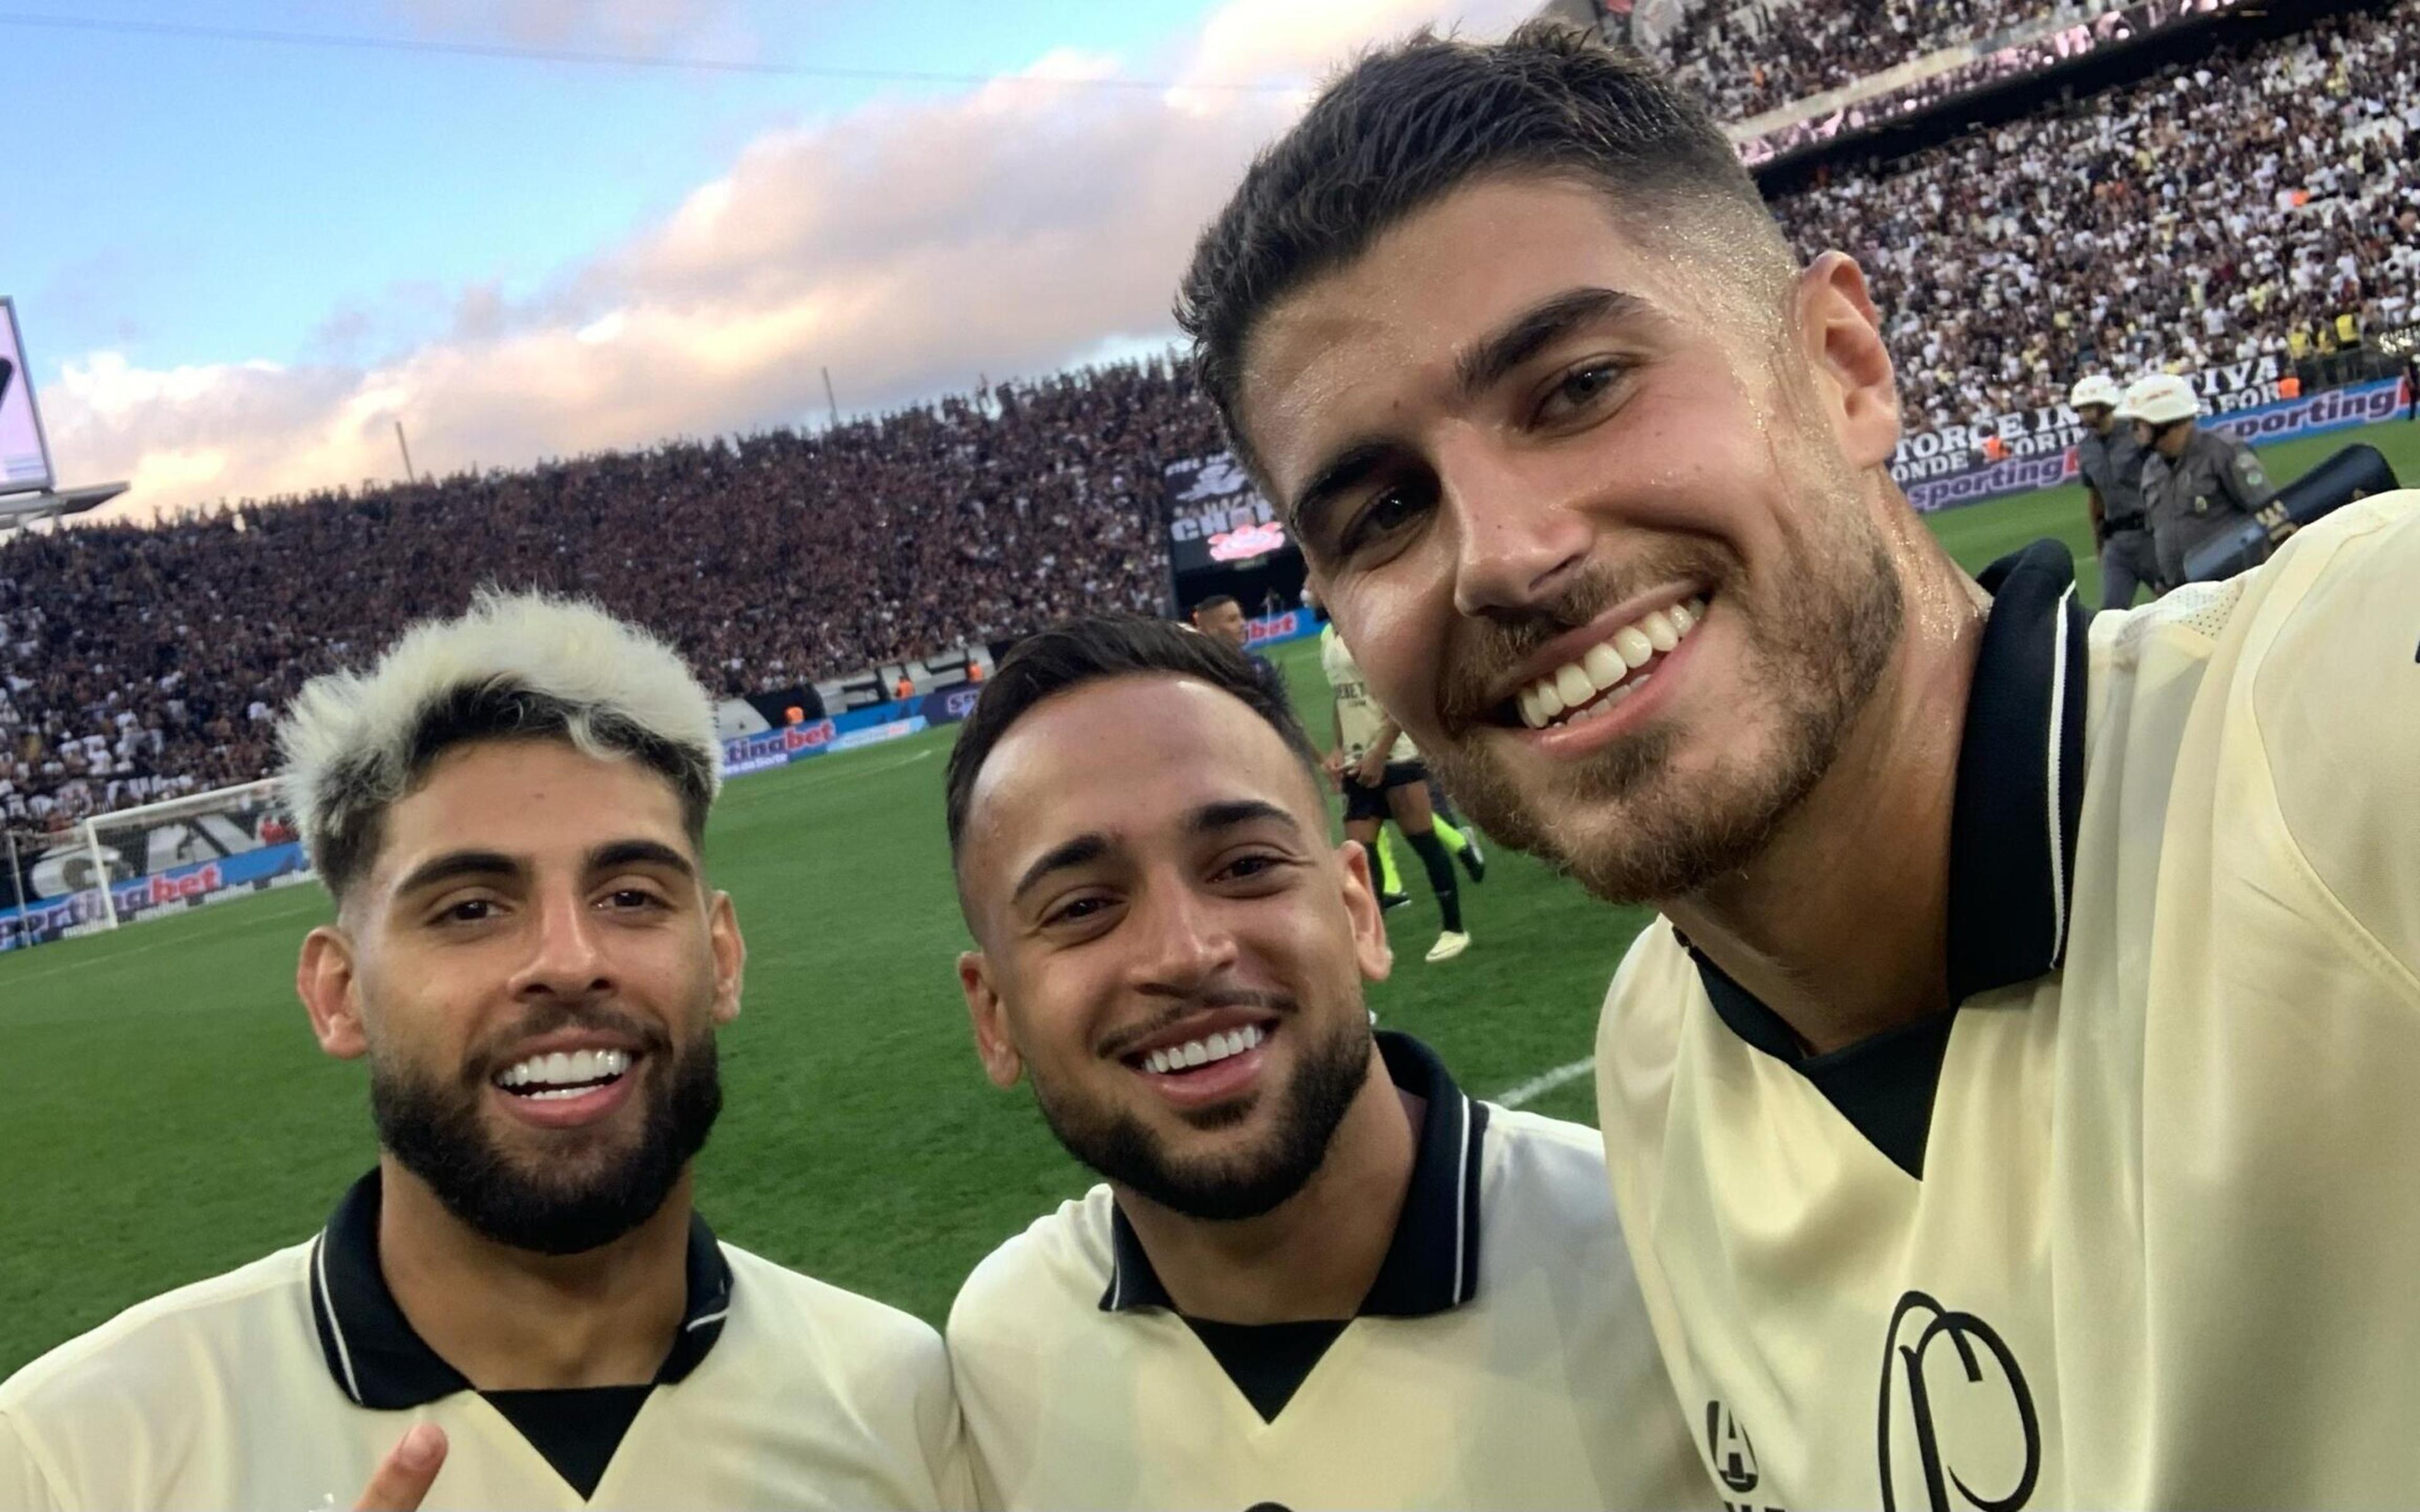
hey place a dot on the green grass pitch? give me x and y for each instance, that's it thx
(164, 1115)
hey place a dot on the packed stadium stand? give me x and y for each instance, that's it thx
(1750, 57)
(136, 662)
(2229, 207)
(2237, 204)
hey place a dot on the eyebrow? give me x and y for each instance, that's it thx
(1484, 365)
(1212, 817)
(1081, 851)
(456, 864)
(623, 853)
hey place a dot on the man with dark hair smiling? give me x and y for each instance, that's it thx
(2012, 1110)
(1318, 1273)
(518, 1307)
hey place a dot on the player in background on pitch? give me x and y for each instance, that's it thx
(2110, 458)
(2013, 1108)
(1383, 778)
(2199, 484)
(1221, 616)
(518, 1307)
(1317, 1274)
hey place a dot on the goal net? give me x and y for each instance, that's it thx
(143, 863)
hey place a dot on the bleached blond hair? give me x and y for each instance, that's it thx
(516, 666)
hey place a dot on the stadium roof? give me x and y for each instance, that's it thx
(18, 509)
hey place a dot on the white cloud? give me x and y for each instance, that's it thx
(909, 247)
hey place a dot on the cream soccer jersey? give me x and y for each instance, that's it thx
(1486, 1368)
(280, 1386)
(1358, 715)
(2160, 1253)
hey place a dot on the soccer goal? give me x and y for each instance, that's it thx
(164, 857)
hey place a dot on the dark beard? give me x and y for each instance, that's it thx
(434, 1129)
(1121, 1149)
(1820, 651)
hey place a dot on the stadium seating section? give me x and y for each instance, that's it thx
(2208, 213)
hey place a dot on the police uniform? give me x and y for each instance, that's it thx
(2212, 487)
(2158, 1255)
(1487, 1367)
(1358, 717)
(283, 1384)
(2113, 466)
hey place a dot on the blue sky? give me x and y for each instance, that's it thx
(186, 200)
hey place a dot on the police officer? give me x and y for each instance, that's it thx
(2111, 460)
(2198, 484)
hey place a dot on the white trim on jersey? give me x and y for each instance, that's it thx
(336, 1323)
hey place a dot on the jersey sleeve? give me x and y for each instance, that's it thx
(2245, 480)
(2337, 702)
(24, 1488)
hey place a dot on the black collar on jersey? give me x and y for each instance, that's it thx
(1432, 1264)
(2012, 854)
(380, 1361)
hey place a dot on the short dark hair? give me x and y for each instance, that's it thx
(1092, 649)
(1214, 601)
(1409, 124)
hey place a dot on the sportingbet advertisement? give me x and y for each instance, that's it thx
(176, 863)
(2314, 414)
(25, 457)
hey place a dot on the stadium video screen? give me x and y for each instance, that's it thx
(25, 461)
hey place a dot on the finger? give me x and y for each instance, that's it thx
(403, 1479)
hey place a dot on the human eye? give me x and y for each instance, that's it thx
(1391, 514)
(1579, 392)
(459, 911)
(1252, 866)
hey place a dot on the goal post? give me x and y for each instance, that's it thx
(182, 853)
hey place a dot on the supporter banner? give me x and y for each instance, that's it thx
(183, 887)
(1991, 440)
(2314, 414)
(841, 696)
(1215, 517)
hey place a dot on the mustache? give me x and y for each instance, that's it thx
(488, 1058)
(1283, 1003)
(1479, 651)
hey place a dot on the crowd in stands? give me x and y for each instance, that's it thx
(1750, 57)
(2211, 212)
(139, 662)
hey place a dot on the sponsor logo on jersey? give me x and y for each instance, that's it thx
(1958, 1433)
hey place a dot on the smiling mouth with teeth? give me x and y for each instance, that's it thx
(1176, 1059)
(1609, 672)
(564, 1074)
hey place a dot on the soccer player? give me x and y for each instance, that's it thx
(2013, 1107)
(2110, 457)
(2198, 485)
(1318, 1273)
(509, 811)
(1380, 772)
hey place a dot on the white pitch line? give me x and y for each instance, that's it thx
(1537, 1086)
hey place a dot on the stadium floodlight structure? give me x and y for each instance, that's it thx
(29, 490)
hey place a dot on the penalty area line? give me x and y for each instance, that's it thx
(1539, 1086)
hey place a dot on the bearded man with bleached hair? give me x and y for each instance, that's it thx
(519, 1306)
